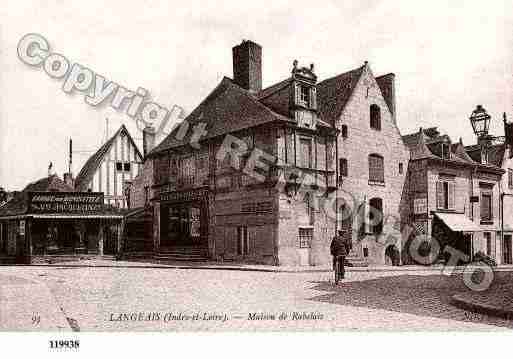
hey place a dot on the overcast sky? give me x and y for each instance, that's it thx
(447, 57)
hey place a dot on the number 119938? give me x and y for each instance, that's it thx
(64, 344)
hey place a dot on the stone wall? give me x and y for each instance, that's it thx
(362, 141)
(293, 215)
(255, 209)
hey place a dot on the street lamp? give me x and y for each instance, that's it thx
(480, 121)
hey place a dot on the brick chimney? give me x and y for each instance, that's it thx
(247, 65)
(68, 179)
(148, 139)
(387, 86)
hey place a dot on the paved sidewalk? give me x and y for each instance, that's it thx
(254, 267)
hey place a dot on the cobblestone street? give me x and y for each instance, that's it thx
(120, 299)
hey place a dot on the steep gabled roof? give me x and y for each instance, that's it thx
(334, 93)
(228, 108)
(92, 164)
(386, 85)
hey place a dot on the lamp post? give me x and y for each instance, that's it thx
(480, 121)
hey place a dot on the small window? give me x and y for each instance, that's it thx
(310, 210)
(126, 166)
(401, 169)
(375, 117)
(365, 252)
(119, 166)
(344, 131)
(305, 237)
(446, 195)
(242, 241)
(305, 95)
(446, 151)
(343, 167)
(488, 238)
(486, 207)
(376, 168)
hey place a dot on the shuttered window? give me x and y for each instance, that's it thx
(343, 167)
(376, 168)
(486, 206)
(446, 195)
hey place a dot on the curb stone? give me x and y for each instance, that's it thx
(461, 302)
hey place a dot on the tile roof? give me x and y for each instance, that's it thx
(18, 205)
(334, 93)
(91, 165)
(495, 153)
(273, 88)
(228, 108)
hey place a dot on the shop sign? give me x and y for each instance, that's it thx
(420, 205)
(185, 196)
(44, 202)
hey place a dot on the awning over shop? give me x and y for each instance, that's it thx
(458, 222)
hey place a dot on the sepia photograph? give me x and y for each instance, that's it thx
(233, 167)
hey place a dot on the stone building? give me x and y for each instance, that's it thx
(372, 161)
(451, 198)
(242, 177)
(108, 170)
(500, 155)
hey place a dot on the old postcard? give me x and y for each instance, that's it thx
(233, 166)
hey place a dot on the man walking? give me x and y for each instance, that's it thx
(338, 251)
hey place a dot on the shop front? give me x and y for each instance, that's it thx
(55, 226)
(457, 231)
(184, 219)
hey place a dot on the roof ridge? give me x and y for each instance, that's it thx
(341, 74)
(97, 156)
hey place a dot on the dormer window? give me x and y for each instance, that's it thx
(305, 95)
(446, 151)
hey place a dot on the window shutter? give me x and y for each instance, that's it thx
(366, 217)
(297, 93)
(439, 195)
(452, 195)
